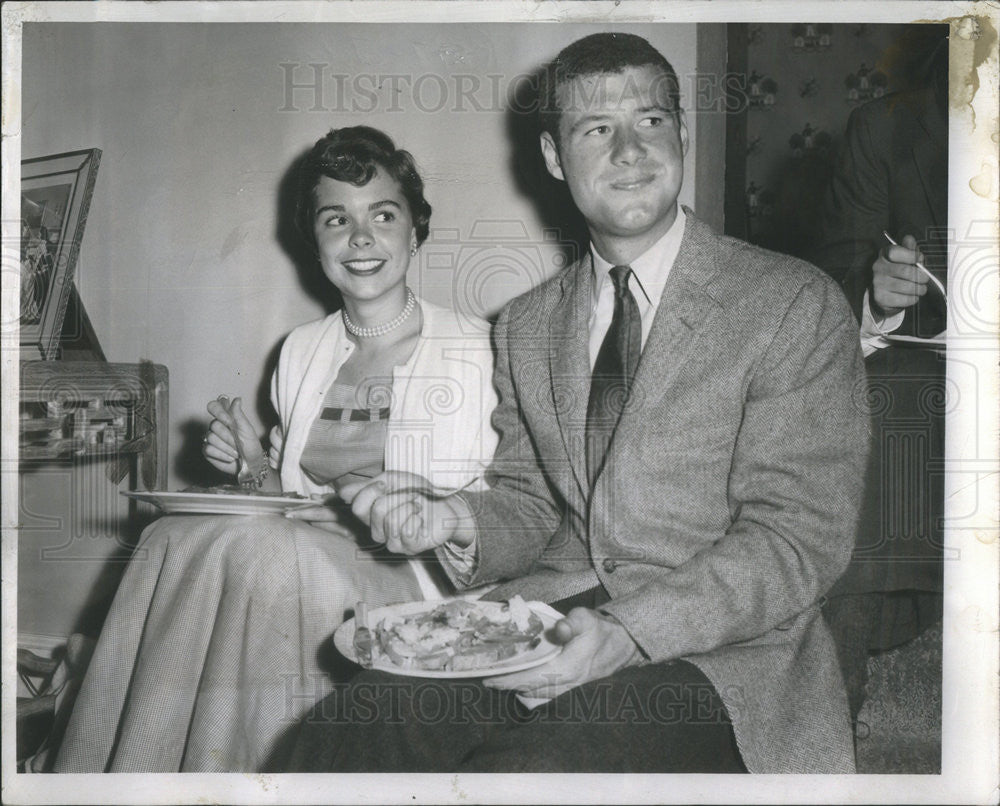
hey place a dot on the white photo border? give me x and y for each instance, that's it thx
(970, 719)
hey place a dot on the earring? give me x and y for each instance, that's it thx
(413, 251)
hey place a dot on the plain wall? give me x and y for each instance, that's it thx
(181, 261)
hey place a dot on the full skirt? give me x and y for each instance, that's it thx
(219, 641)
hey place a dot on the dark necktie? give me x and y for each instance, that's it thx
(613, 372)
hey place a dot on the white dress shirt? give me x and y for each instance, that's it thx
(649, 275)
(872, 327)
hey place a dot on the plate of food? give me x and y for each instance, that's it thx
(223, 500)
(451, 638)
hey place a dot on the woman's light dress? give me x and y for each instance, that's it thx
(218, 640)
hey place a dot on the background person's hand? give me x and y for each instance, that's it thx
(594, 646)
(403, 512)
(897, 283)
(229, 424)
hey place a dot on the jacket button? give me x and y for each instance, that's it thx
(609, 565)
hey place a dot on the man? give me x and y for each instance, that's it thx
(689, 535)
(892, 177)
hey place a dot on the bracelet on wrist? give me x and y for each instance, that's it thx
(252, 478)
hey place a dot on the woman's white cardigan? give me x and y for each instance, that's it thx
(439, 412)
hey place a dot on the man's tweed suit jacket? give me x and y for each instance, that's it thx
(728, 503)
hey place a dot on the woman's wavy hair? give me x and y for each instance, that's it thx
(353, 154)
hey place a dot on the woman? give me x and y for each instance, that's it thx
(218, 639)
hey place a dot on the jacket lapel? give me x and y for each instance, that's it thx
(569, 363)
(683, 318)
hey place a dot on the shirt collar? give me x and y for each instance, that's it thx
(650, 269)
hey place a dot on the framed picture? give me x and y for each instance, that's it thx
(55, 200)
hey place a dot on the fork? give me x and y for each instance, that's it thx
(363, 639)
(424, 491)
(923, 268)
(432, 494)
(244, 476)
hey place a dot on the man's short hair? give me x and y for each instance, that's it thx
(594, 55)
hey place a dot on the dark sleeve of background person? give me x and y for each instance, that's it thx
(855, 211)
(891, 174)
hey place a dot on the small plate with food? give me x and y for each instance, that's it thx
(452, 638)
(223, 500)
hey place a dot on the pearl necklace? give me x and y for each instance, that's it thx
(385, 327)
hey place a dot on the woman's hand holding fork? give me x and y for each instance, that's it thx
(231, 444)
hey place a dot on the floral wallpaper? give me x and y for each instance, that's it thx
(803, 80)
